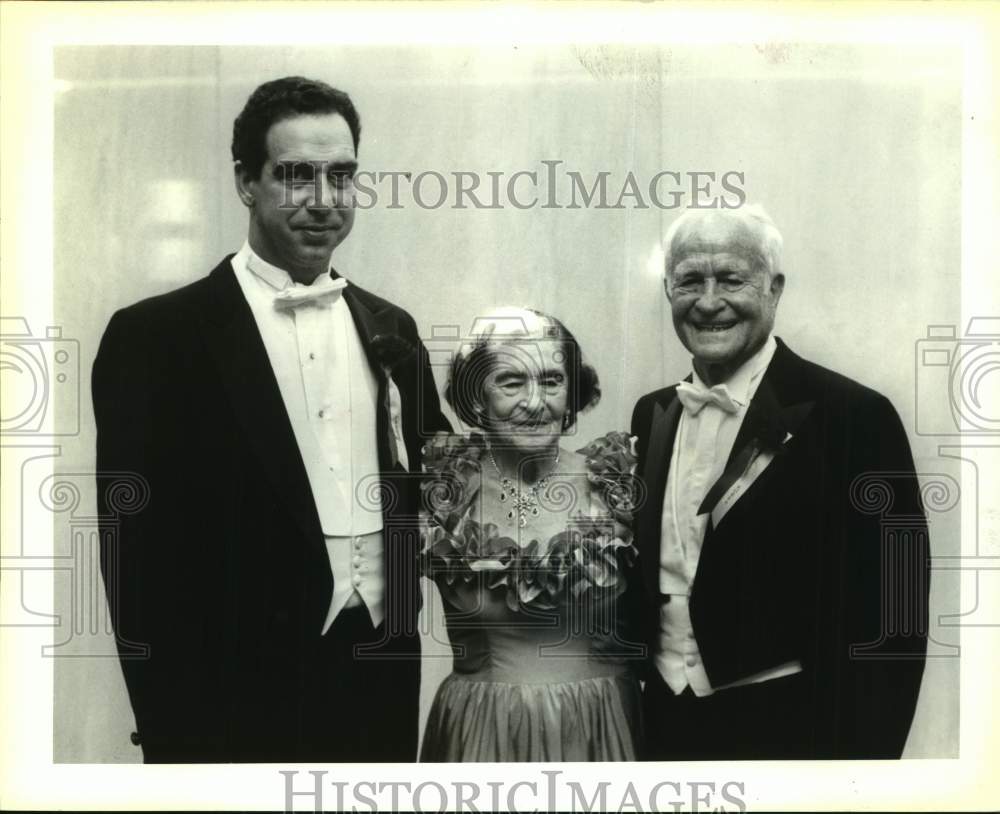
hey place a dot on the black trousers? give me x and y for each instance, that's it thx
(770, 720)
(365, 706)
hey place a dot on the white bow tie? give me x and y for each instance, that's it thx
(323, 290)
(694, 398)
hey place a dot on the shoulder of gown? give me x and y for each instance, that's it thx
(611, 462)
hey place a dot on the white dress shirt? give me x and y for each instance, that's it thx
(701, 449)
(330, 394)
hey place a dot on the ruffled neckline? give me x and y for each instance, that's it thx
(588, 555)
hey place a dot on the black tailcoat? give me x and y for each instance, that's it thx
(823, 559)
(219, 585)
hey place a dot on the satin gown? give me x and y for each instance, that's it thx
(543, 666)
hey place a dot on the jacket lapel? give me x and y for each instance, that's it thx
(662, 432)
(772, 419)
(372, 322)
(236, 348)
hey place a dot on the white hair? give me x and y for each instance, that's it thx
(507, 323)
(753, 217)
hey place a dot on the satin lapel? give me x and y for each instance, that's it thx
(762, 423)
(370, 324)
(766, 427)
(236, 348)
(662, 432)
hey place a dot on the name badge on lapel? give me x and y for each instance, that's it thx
(759, 461)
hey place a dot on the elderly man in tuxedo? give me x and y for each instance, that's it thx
(264, 599)
(782, 619)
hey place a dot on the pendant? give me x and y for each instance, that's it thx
(521, 505)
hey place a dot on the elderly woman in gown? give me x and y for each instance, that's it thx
(527, 537)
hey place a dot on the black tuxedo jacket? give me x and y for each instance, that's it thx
(823, 559)
(215, 566)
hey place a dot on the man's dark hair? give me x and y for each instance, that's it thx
(282, 99)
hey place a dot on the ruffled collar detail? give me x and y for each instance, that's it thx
(589, 555)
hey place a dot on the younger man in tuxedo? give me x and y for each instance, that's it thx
(783, 620)
(264, 600)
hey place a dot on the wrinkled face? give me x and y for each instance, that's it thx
(722, 298)
(526, 394)
(302, 205)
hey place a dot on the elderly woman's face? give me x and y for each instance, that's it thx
(526, 394)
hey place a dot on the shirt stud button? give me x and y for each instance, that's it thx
(320, 413)
(357, 579)
(312, 355)
(691, 661)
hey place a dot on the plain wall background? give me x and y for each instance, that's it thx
(854, 150)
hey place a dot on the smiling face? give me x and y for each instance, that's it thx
(525, 395)
(722, 297)
(302, 205)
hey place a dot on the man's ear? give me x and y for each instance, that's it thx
(245, 184)
(666, 287)
(777, 286)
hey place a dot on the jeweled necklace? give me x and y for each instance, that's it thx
(522, 506)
